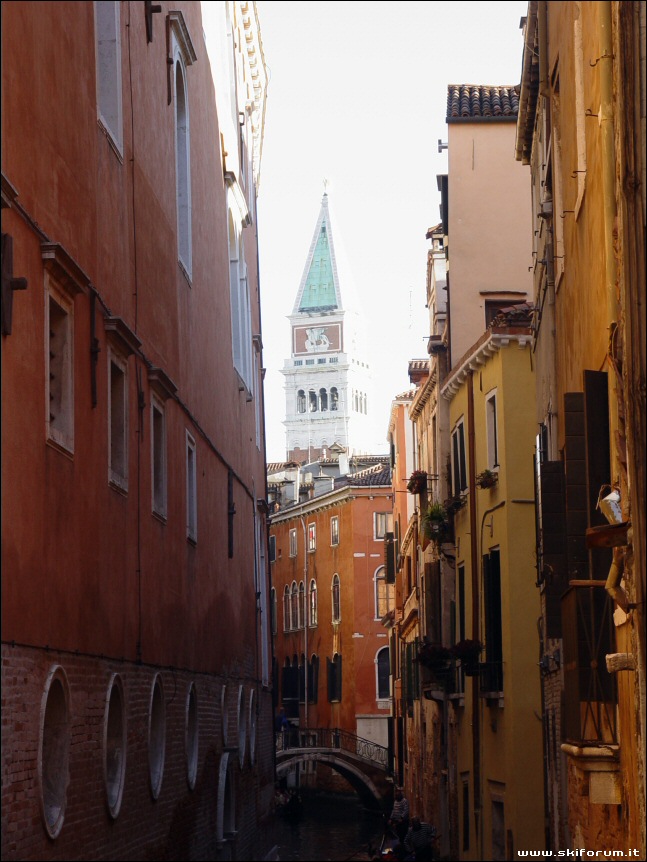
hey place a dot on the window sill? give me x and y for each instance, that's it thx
(192, 540)
(118, 484)
(185, 273)
(159, 516)
(112, 141)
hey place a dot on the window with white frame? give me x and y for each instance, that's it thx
(158, 456)
(241, 325)
(191, 490)
(107, 25)
(312, 538)
(293, 542)
(294, 606)
(336, 599)
(459, 466)
(182, 168)
(492, 432)
(313, 603)
(59, 352)
(302, 606)
(286, 609)
(382, 524)
(383, 673)
(118, 420)
(334, 530)
(384, 594)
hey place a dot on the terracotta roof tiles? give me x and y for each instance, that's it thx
(477, 101)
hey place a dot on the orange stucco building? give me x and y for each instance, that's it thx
(133, 467)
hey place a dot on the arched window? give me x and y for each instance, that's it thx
(241, 324)
(273, 610)
(323, 400)
(336, 601)
(302, 605)
(334, 678)
(334, 398)
(301, 401)
(286, 609)
(313, 603)
(312, 395)
(313, 679)
(294, 606)
(384, 594)
(183, 169)
(383, 674)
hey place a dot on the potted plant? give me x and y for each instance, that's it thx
(454, 504)
(435, 657)
(417, 483)
(468, 652)
(435, 523)
(487, 479)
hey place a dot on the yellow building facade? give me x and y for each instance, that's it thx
(498, 721)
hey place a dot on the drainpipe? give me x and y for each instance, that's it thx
(476, 611)
(605, 120)
(306, 615)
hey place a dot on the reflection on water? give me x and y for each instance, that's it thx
(333, 827)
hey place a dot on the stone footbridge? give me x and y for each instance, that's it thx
(364, 764)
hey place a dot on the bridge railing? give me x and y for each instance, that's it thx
(332, 738)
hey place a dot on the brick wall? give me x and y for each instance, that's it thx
(181, 823)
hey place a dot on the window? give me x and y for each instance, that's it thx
(156, 736)
(312, 400)
(313, 603)
(60, 370)
(466, 811)
(191, 736)
(114, 745)
(382, 664)
(273, 610)
(313, 679)
(241, 326)
(272, 549)
(191, 490)
(336, 600)
(293, 542)
(118, 421)
(334, 398)
(294, 606)
(492, 679)
(158, 457)
(459, 468)
(323, 399)
(286, 609)
(384, 594)
(183, 168)
(492, 433)
(108, 60)
(301, 401)
(382, 524)
(334, 530)
(54, 751)
(334, 679)
(302, 606)
(242, 726)
(312, 538)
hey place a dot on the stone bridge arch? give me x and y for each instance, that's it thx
(370, 783)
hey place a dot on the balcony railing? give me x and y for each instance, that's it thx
(332, 739)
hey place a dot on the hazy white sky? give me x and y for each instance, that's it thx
(357, 95)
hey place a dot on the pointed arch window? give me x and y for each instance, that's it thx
(334, 398)
(312, 396)
(301, 401)
(302, 606)
(336, 599)
(383, 672)
(294, 606)
(313, 602)
(323, 400)
(241, 321)
(286, 609)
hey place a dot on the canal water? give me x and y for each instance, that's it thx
(332, 827)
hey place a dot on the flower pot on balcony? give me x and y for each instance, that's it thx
(487, 479)
(417, 483)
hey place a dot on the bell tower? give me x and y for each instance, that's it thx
(327, 377)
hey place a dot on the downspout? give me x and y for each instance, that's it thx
(610, 271)
(476, 611)
(306, 614)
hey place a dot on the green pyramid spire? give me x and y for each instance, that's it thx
(319, 288)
